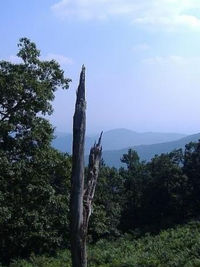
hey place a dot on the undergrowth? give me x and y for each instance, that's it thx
(173, 247)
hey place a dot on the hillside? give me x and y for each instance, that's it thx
(146, 152)
(172, 247)
(116, 139)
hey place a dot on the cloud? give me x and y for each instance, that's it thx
(179, 67)
(185, 21)
(93, 9)
(61, 59)
(173, 60)
(162, 14)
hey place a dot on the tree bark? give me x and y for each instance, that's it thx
(81, 198)
(93, 172)
(77, 180)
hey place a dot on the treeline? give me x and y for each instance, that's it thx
(141, 198)
(35, 178)
(148, 196)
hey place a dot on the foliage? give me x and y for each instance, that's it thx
(191, 167)
(174, 247)
(33, 180)
(155, 192)
(107, 204)
(164, 196)
(136, 179)
(26, 90)
(34, 205)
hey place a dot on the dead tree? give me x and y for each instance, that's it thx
(93, 172)
(81, 196)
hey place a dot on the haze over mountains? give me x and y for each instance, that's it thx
(116, 139)
(146, 152)
(117, 142)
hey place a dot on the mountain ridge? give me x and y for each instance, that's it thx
(116, 139)
(146, 152)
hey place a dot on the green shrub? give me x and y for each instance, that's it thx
(174, 247)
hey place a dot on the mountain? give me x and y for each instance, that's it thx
(146, 152)
(121, 138)
(116, 139)
(63, 142)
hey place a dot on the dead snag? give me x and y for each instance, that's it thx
(93, 172)
(77, 179)
(81, 198)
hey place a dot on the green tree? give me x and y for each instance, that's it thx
(191, 168)
(33, 178)
(135, 178)
(26, 91)
(131, 159)
(166, 191)
(107, 206)
(155, 192)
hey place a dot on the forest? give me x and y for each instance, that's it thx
(144, 214)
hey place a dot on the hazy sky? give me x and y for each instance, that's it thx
(142, 58)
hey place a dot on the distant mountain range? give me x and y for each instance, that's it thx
(63, 142)
(117, 142)
(146, 152)
(116, 139)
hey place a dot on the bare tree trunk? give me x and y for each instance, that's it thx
(77, 180)
(93, 172)
(81, 199)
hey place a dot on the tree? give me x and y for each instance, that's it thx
(131, 159)
(191, 168)
(33, 180)
(108, 204)
(26, 91)
(165, 194)
(154, 192)
(135, 178)
(82, 193)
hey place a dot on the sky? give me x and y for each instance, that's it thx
(142, 59)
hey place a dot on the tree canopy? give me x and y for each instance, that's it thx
(33, 177)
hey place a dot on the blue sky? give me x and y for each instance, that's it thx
(142, 58)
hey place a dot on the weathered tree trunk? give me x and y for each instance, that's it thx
(93, 172)
(81, 199)
(77, 180)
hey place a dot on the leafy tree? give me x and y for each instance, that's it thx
(165, 194)
(33, 178)
(26, 91)
(132, 160)
(135, 178)
(107, 208)
(191, 168)
(34, 204)
(155, 192)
